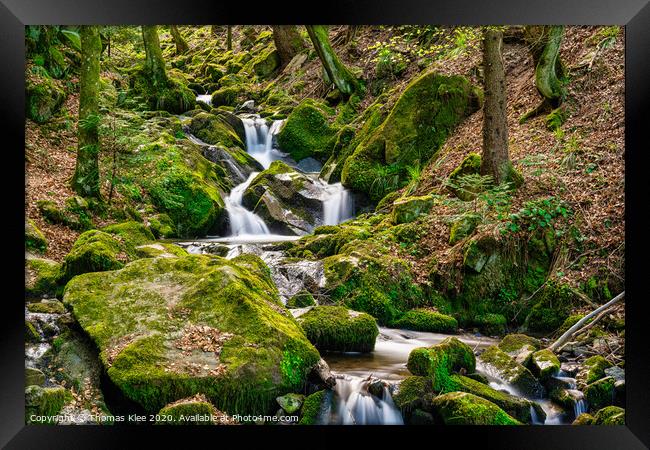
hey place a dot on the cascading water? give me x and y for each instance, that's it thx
(338, 207)
(243, 221)
(353, 404)
(259, 140)
(205, 98)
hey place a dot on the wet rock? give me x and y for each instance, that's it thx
(376, 387)
(236, 162)
(610, 415)
(46, 402)
(504, 367)
(408, 209)
(247, 107)
(592, 369)
(34, 377)
(46, 307)
(600, 393)
(544, 364)
(520, 347)
(615, 372)
(462, 408)
(290, 403)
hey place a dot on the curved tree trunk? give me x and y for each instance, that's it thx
(288, 42)
(86, 176)
(229, 37)
(495, 160)
(344, 80)
(154, 64)
(546, 71)
(351, 33)
(181, 45)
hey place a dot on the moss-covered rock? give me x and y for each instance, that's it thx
(411, 393)
(161, 226)
(328, 244)
(51, 212)
(584, 419)
(463, 227)
(462, 408)
(491, 324)
(335, 328)
(43, 98)
(552, 305)
(130, 234)
(440, 361)
(160, 250)
(34, 377)
(610, 415)
(471, 165)
(425, 114)
(146, 317)
(301, 300)
(290, 403)
(307, 132)
(195, 410)
(34, 238)
(311, 408)
(544, 364)
(511, 372)
(215, 129)
(520, 347)
(517, 407)
(46, 402)
(592, 369)
(600, 393)
(93, 251)
(172, 96)
(289, 201)
(408, 209)
(42, 276)
(46, 307)
(427, 320)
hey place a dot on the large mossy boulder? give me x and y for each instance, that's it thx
(288, 201)
(471, 165)
(335, 328)
(215, 129)
(426, 320)
(462, 408)
(93, 251)
(43, 404)
(43, 98)
(520, 347)
(511, 372)
(307, 132)
(424, 115)
(195, 410)
(610, 415)
(518, 407)
(440, 361)
(600, 393)
(408, 209)
(131, 234)
(552, 306)
(42, 276)
(412, 393)
(170, 328)
(34, 238)
(311, 408)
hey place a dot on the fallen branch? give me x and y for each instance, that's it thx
(571, 331)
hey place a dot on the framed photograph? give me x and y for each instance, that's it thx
(410, 220)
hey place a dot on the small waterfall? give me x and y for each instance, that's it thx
(205, 98)
(243, 221)
(338, 207)
(354, 405)
(259, 140)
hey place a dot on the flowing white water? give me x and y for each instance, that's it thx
(259, 140)
(243, 221)
(205, 98)
(338, 207)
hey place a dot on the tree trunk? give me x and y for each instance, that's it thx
(351, 33)
(86, 176)
(548, 67)
(229, 38)
(181, 45)
(495, 160)
(344, 80)
(154, 63)
(288, 42)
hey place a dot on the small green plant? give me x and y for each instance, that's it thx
(414, 177)
(538, 214)
(387, 180)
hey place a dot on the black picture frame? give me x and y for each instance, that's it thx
(633, 14)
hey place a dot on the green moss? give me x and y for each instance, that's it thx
(301, 300)
(93, 251)
(172, 96)
(47, 307)
(412, 392)
(545, 364)
(34, 377)
(440, 361)
(511, 372)
(517, 407)
(182, 412)
(552, 306)
(335, 328)
(43, 98)
(462, 408)
(555, 119)
(34, 238)
(463, 227)
(520, 347)
(426, 320)
(161, 226)
(584, 419)
(42, 276)
(322, 245)
(215, 129)
(307, 132)
(159, 249)
(425, 114)
(44, 402)
(290, 403)
(311, 408)
(471, 165)
(408, 209)
(131, 234)
(610, 415)
(31, 333)
(569, 322)
(51, 212)
(600, 393)
(134, 316)
(490, 323)
(592, 369)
